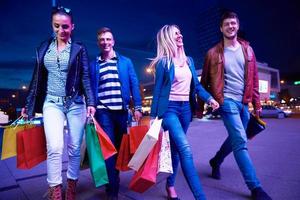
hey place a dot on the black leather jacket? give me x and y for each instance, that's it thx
(78, 78)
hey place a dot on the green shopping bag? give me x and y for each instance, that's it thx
(95, 156)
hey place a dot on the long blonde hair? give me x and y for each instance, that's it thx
(166, 46)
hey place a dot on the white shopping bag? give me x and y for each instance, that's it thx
(146, 145)
(165, 168)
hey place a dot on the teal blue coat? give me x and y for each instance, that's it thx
(163, 81)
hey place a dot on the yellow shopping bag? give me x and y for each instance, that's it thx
(9, 143)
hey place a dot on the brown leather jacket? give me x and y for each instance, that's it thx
(213, 75)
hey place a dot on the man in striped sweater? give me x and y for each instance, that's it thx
(115, 82)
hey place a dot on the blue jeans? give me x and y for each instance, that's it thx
(236, 116)
(177, 119)
(55, 111)
(114, 123)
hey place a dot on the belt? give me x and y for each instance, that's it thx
(59, 98)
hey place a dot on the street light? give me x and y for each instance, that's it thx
(24, 87)
(149, 70)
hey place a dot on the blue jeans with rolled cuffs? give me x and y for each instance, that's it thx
(177, 119)
(236, 116)
(55, 111)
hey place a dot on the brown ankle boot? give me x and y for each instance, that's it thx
(71, 189)
(55, 193)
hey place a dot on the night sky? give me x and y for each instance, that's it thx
(272, 27)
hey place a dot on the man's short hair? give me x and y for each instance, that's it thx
(103, 30)
(228, 15)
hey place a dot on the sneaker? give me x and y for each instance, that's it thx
(71, 189)
(54, 193)
(215, 172)
(259, 194)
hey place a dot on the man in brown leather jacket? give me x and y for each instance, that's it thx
(230, 74)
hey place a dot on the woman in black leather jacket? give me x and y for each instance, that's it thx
(61, 90)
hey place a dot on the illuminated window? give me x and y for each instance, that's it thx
(263, 86)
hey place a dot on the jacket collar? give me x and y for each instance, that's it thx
(100, 59)
(75, 48)
(220, 48)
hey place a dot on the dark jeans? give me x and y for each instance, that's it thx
(177, 119)
(114, 123)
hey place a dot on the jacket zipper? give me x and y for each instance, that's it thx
(77, 64)
(38, 71)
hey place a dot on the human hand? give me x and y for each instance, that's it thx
(137, 115)
(257, 112)
(23, 113)
(90, 111)
(151, 121)
(214, 104)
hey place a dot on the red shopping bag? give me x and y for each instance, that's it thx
(145, 177)
(107, 147)
(124, 155)
(136, 135)
(31, 147)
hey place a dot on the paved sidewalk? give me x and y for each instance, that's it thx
(275, 154)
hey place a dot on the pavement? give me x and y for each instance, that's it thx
(275, 153)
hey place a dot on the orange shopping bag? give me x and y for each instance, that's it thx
(107, 147)
(136, 135)
(124, 154)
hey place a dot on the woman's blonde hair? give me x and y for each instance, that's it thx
(166, 45)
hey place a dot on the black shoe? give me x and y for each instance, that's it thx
(110, 197)
(215, 172)
(259, 194)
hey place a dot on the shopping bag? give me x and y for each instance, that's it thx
(84, 160)
(1, 139)
(145, 177)
(96, 159)
(147, 144)
(136, 134)
(165, 168)
(107, 147)
(124, 154)
(31, 147)
(9, 144)
(255, 126)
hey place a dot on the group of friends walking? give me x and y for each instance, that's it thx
(67, 87)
